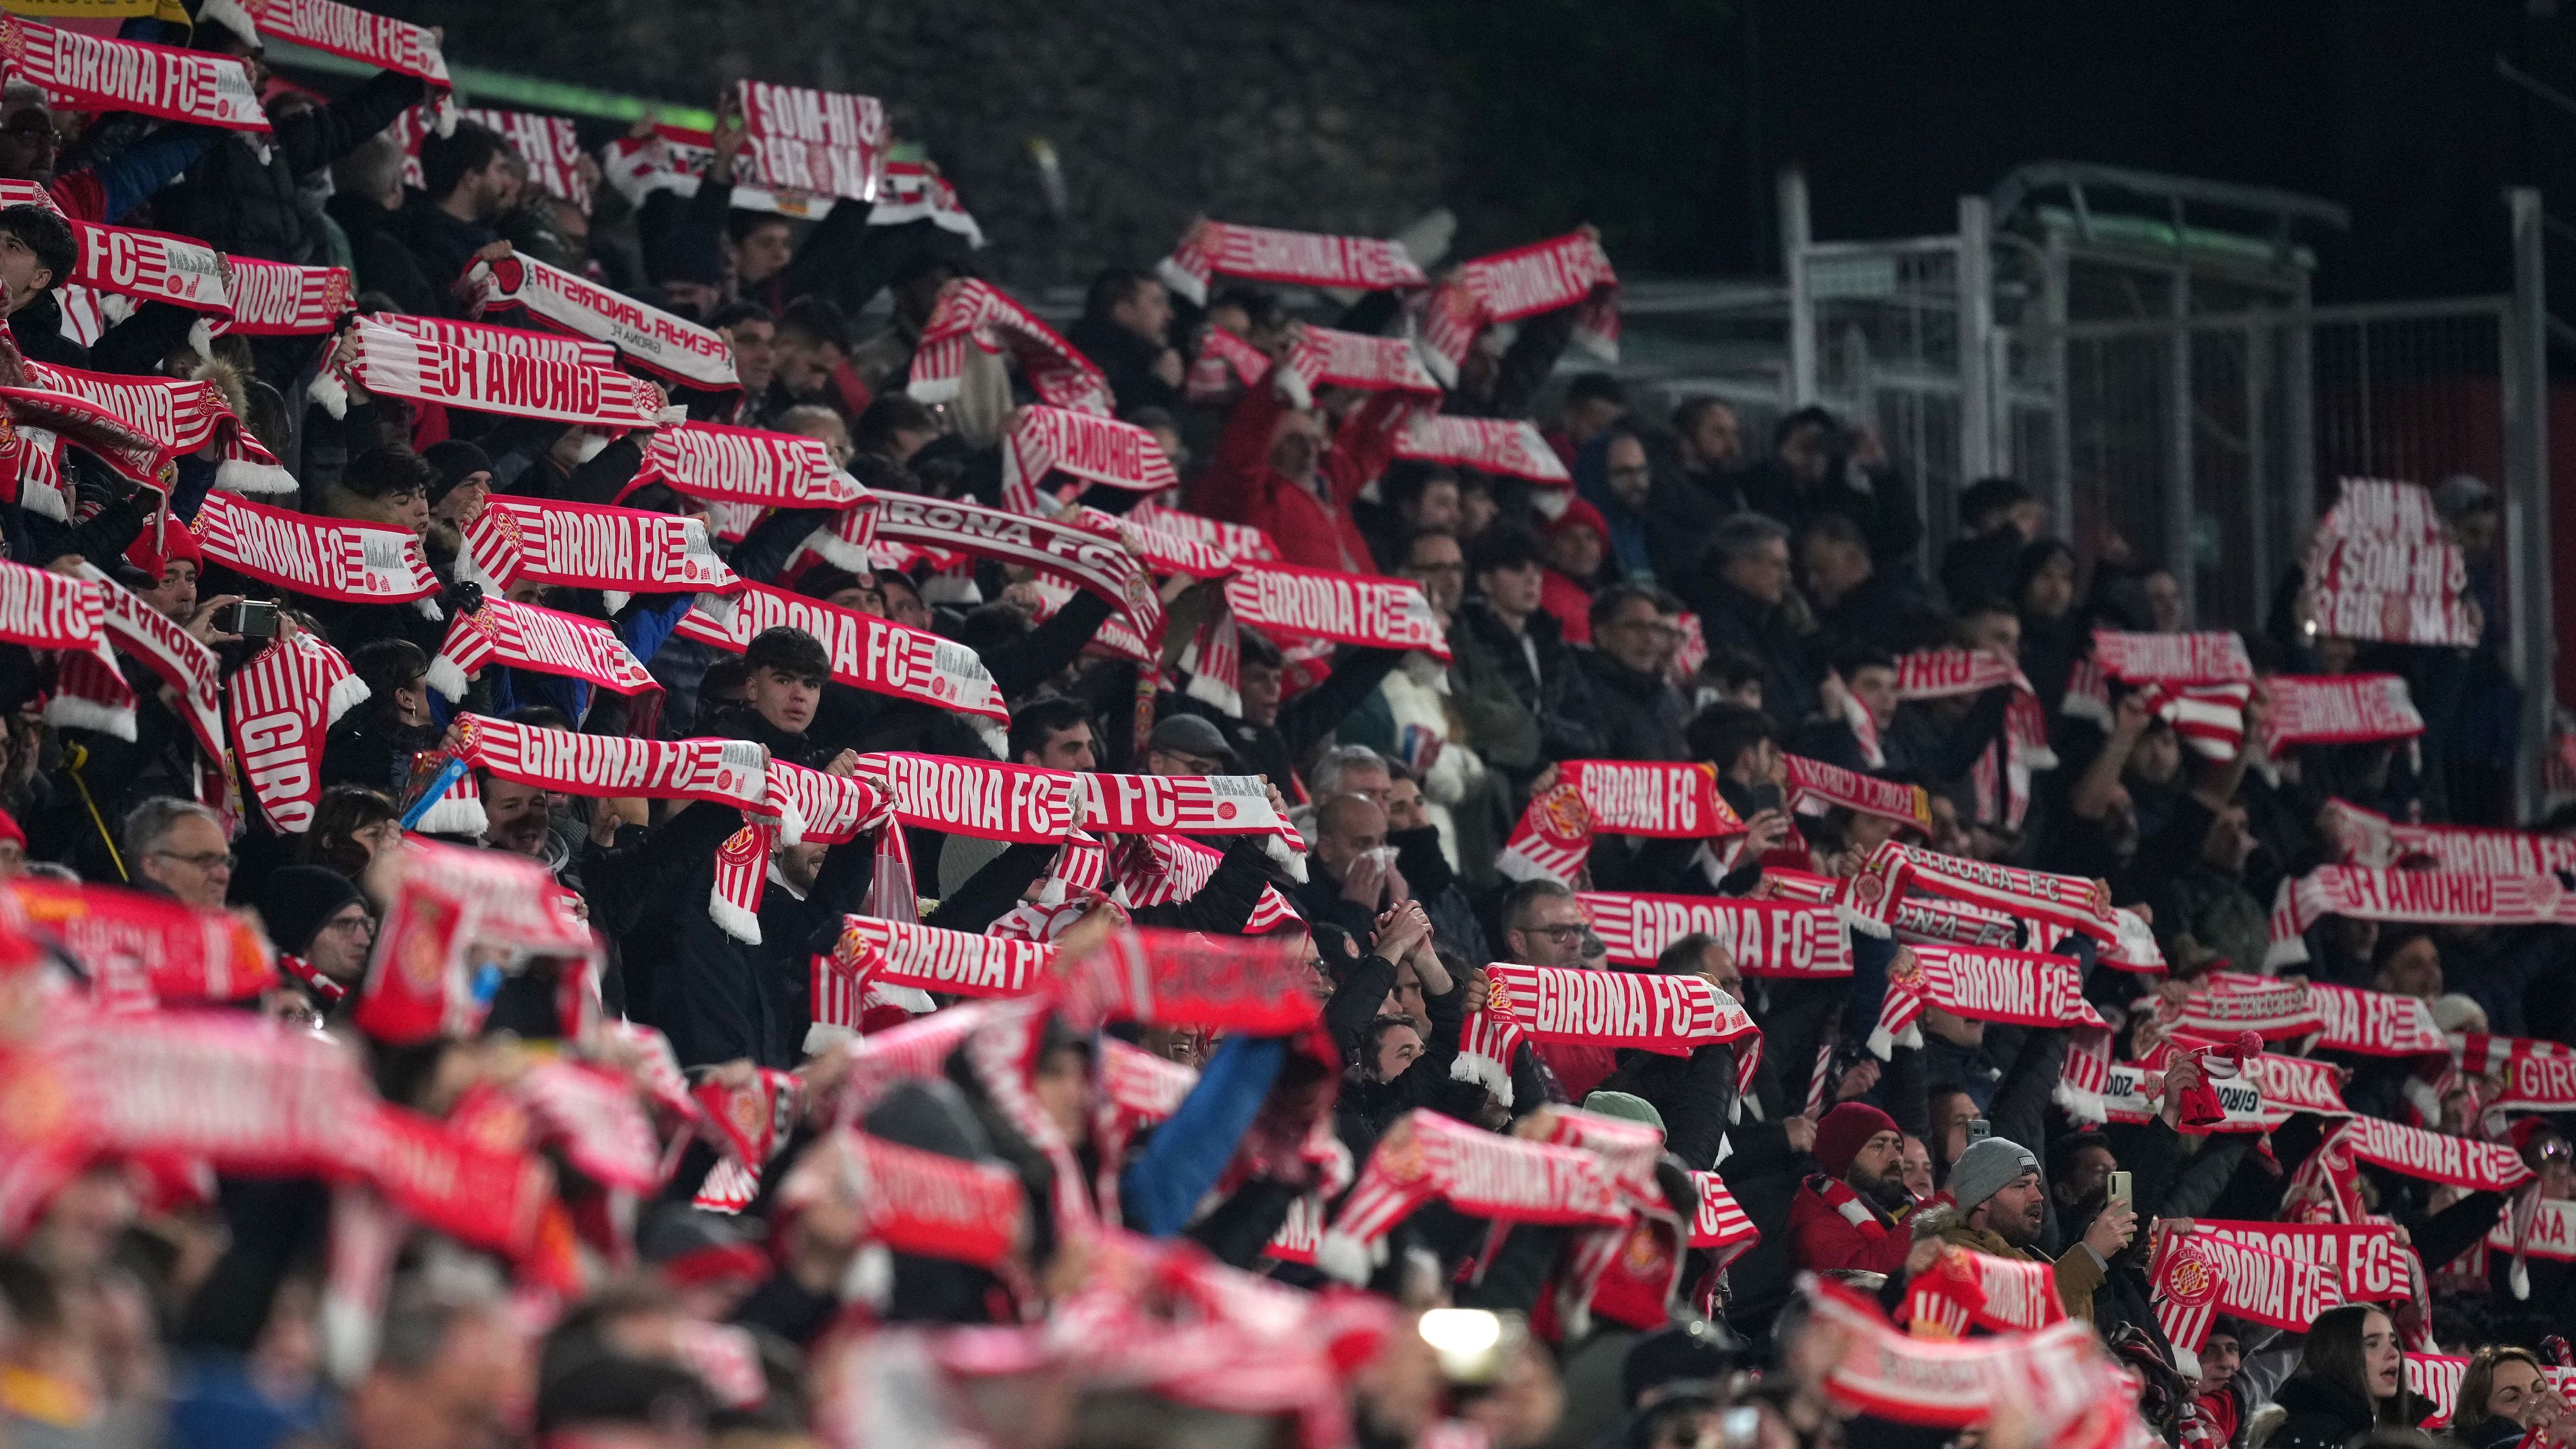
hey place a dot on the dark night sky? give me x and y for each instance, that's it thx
(2395, 110)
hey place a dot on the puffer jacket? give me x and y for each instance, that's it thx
(240, 196)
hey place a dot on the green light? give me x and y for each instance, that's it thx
(477, 86)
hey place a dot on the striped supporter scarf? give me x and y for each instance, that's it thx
(2197, 1276)
(487, 337)
(1086, 447)
(454, 901)
(1287, 602)
(351, 562)
(1815, 787)
(1616, 797)
(867, 652)
(282, 299)
(1671, 1015)
(2437, 897)
(39, 423)
(620, 551)
(803, 805)
(975, 313)
(1226, 365)
(915, 191)
(2075, 1395)
(921, 1203)
(44, 610)
(164, 646)
(181, 416)
(1512, 447)
(2338, 709)
(2002, 774)
(281, 705)
(354, 34)
(725, 772)
(145, 266)
(1425, 1157)
(1324, 357)
(2539, 1076)
(398, 362)
(524, 636)
(2017, 988)
(1079, 556)
(1260, 254)
(2368, 838)
(2212, 658)
(1765, 938)
(145, 951)
(94, 73)
(670, 347)
(1507, 286)
(750, 1121)
(1965, 1288)
(748, 466)
(808, 140)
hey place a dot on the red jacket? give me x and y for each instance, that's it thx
(1315, 531)
(1570, 602)
(1821, 1239)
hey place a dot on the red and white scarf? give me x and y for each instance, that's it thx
(748, 465)
(1766, 938)
(620, 551)
(1304, 258)
(2288, 1084)
(1164, 552)
(2223, 1003)
(975, 313)
(345, 30)
(454, 900)
(2393, 618)
(2369, 1260)
(550, 145)
(2375, 1023)
(1522, 282)
(174, 656)
(1509, 446)
(2539, 1076)
(2210, 718)
(1090, 562)
(1673, 1015)
(1924, 921)
(1239, 541)
(1721, 1226)
(953, 963)
(1284, 601)
(1426, 1157)
(726, 772)
(921, 1203)
(2381, 569)
(180, 416)
(1246, 984)
(976, 797)
(355, 563)
(2074, 902)
(1226, 365)
(1947, 673)
(2017, 988)
(1324, 357)
(2211, 658)
(40, 423)
(675, 159)
(2196, 1277)
(2001, 775)
(2368, 838)
(2425, 567)
(2381, 508)
(524, 636)
(1089, 447)
(151, 266)
(399, 363)
(661, 343)
(95, 73)
(2132, 1094)
(594, 1115)
(2553, 1232)
(810, 140)
(2418, 1153)
(281, 705)
(485, 337)
(1815, 787)
(1964, 1288)
(1616, 797)
(2075, 1396)
(2436, 897)
(44, 610)
(867, 652)
(281, 299)
(143, 951)
(2338, 709)
(915, 191)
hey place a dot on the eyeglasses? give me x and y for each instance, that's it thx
(204, 861)
(363, 924)
(1553, 933)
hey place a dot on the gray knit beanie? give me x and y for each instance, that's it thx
(1987, 1168)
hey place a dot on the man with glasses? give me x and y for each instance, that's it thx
(177, 847)
(1543, 926)
(1634, 634)
(321, 927)
(1433, 559)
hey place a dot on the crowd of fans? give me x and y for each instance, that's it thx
(1756, 605)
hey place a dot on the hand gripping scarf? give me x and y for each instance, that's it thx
(2437, 897)
(344, 30)
(180, 416)
(1815, 787)
(144, 951)
(1616, 797)
(725, 772)
(281, 299)
(620, 551)
(1766, 938)
(2132, 1095)
(452, 900)
(524, 636)
(1325, 357)
(95, 73)
(748, 465)
(921, 1203)
(352, 562)
(1089, 562)
(484, 337)
(867, 652)
(2214, 658)
(281, 706)
(399, 363)
(2371, 839)
(809, 140)
(1964, 1288)
(2338, 709)
(666, 346)
(2196, 1277)
(1086, 446)
(2539, 1076)
(1426, 1157)
(164, 646)
(975, 313)
(1671, 1015)
(1512, 447)
(1260, 254)
(1523, 282)
(1628, 1152)
(1283, 601)
(2074, 1395)
(2018, 988)
(915, 191)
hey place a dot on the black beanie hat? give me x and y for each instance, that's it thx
(297, 899)
(456, 460)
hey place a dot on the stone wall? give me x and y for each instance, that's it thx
(1327, 115)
